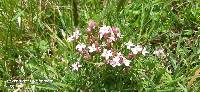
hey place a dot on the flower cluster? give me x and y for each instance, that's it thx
(103, 42)
(135, 49)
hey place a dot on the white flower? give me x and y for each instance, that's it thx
(111, 39)
(104, 30)
(116, 31)
(119, 54)
(19, 21)
(113, 63)
(80, 47)
(92, 48)
(106, 54)
(136, 49)
(139, 48)
(129, 45)
(144, 52)
(76, 66)
(75, 36)
(117, 60)
(127, 62)
(159, 52)
(70, 39)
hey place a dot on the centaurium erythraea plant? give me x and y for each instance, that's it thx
(102, 42)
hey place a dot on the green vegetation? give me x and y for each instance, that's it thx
(34, 45)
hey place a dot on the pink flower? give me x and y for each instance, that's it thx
(119, 60)
(104, 30)
(88, 29)
(106, 54)
(111, 39)
(76, 66)
(92, 24)
(123, 59)
(113, 63)
(116, 31)
(80, 47)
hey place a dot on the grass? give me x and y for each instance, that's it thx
(33, 47)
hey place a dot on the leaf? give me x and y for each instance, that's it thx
(188, 32)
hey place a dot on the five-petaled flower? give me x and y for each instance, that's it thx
(106, 54)
(129, 45)
(92, 48)
(118, 60)
(144, 52)
(104, 30)
(75, 36)
(159, 52)
(137, 49)
(76, 66)
(92, 24)
(80, 47)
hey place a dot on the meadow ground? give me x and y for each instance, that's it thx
(100, 45)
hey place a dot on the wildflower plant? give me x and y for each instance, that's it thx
(101, 42)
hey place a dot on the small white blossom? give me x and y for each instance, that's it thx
(104, 30)
(106, 54)
(159, 52)
(76, 66)
(70, 39)
(80, 47)
(111, 39)
(113, 63)
(117, 60)
(129, 45)
(127, 62)
(144, 52)
(75, 36)
(136, 49)
(92, 48)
